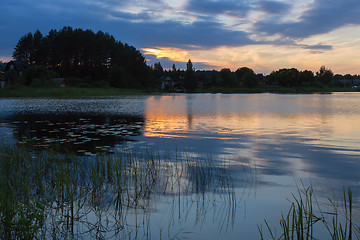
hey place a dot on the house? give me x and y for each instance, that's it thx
(167, 83)
(18, 66)
(61, 82)
(348, 82)
(356, 82)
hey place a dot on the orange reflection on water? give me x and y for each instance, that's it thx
(165, 115)
(312, 119)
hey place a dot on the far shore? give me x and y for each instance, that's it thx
(69, 92)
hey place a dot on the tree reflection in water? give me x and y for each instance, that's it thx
(79, 134)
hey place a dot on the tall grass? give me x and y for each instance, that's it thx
(67, 92)
(305, 217)
(52, 196)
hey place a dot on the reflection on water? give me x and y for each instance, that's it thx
(280, 134)
(268, 140)
(74, 133)
(109, 197)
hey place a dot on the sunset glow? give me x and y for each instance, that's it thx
(342, 58)
(170, 53)
(263, 35)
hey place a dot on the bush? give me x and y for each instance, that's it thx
(73, 81)
(14, 78)
(118, 78)
(39, 74)
(43, 82)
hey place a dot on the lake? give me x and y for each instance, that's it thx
(263, 145)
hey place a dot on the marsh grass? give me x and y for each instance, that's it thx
(52, 196)
(277, 89)
(68, 92)
(305, 216)
(71, 92)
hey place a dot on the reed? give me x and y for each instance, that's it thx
(305, 216)
(48, 195)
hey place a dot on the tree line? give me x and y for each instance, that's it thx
(86, 58)
(247, 78)
(84, 54)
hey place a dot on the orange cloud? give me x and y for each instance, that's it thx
(341, 58)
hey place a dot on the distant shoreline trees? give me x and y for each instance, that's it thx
(92, 59)
(291, 77)
(191, 79)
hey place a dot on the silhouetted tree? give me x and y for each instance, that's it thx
(214, 79)
(325, 76)
(158, 69)
(175, 73)
(228, 78)
(117, 77)
(79, 53)
(287, 77)
(24, 48)
(246, 77)
(306, 78)
(348, 77)
(191, 80)
(39, 76)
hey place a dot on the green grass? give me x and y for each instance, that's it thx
(267, 89)
(305, 216)
(68, 92)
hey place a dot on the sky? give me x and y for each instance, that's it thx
(261, 34)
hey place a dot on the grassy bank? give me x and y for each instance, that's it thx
(298, 90)
(69, 92)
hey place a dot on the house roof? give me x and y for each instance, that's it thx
(18, 65)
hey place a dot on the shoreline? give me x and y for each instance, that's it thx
(73, 92)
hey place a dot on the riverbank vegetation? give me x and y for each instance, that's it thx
(84, 59)
(48, 195)
(51, 196)
(305, 218)
(70, 92)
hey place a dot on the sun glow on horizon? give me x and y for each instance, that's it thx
(264, 58)
(175, 54)
(261, 58)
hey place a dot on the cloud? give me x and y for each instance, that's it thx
(318, 47)
(273, 7)
(168, 63)
(124, 16)
(210, 7)
(198, 35)
(323, 17)
(195, 25)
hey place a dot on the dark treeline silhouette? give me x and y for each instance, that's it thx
(91, 59)
(85, 54)
(245, 77)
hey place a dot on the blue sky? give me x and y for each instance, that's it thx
(263, 35)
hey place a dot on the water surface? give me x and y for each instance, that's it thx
(269, 142)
